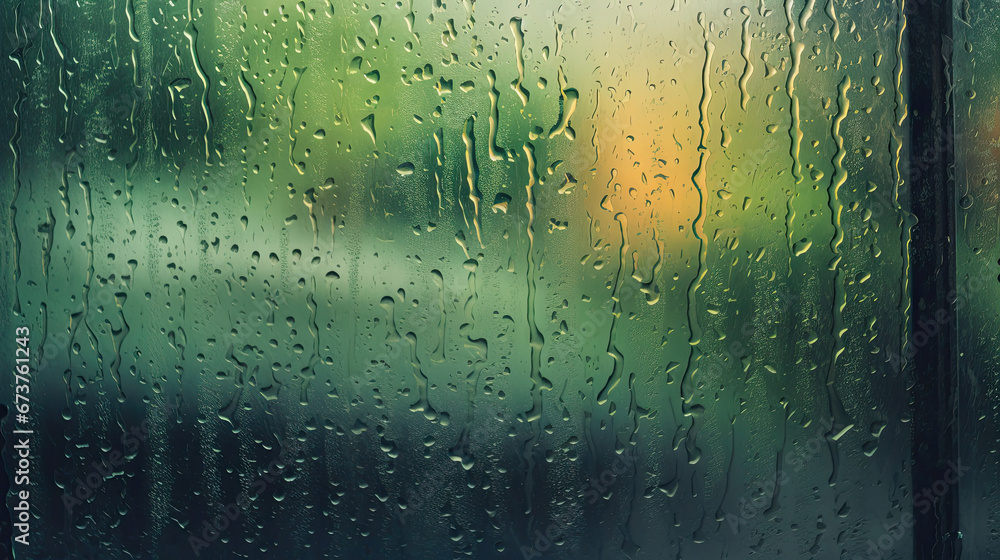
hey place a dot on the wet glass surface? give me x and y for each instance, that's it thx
(337, 279)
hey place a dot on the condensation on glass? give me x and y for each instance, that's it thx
(977, 153)
(560, 279)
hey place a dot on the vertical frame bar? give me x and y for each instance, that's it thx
(932, 185)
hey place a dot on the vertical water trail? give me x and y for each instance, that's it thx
(840, 173)
(536, 340)
(461, 452)
(439, 169)
(388, 303)
(516, 85)
(807, 13)
(842, 422)
(460, 201)
(117, 339)
(89, 278)
(901, 109)
(423, 398)
(115, 57)
(136, 85)
(907, 220)
(747, 64)
(310, 201)
(616, 311)
(131, 164)
(309, 372)
(15, 147)
(700, 181)
(568, 98)
(63, 71)
(47, 233)
(629, 547)
(779, 464)
(438, 354)
(228, 410)
(290, 101)
(699, 178)
(130, 15)
(831, 12)
(594, 142)
(472, 175)
(795, 49)
(650, 288)
(496, 153)
(251, 97)
(191, 33)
